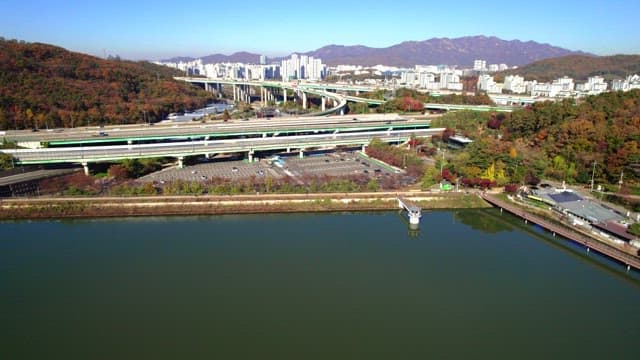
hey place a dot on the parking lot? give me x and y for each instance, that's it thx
(336, 164)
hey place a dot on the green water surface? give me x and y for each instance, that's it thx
(470, 284)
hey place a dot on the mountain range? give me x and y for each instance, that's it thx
(458, 51)
(578, 67)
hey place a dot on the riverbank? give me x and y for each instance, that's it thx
(91, 207)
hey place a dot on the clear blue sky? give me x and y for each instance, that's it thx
(160, 29)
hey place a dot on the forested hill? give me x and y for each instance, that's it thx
(47, 86)
(578, 67)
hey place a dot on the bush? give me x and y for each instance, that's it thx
(511, 188)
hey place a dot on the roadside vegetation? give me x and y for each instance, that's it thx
(595, 138)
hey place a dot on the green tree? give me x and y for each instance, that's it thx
(373, 185)
(431, 177)
(6, 161)
(225, 115)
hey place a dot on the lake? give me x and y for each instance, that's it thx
(469, 284)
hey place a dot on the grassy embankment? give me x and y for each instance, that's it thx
(43, 208)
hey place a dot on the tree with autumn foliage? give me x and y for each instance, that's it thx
(44, 86)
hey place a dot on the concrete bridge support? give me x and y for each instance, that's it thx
(235, 93)
(304, 100)
(180, 162)
(85, 166)
(301, 154)
(324, 103)
(250, 156)
(284, 96)
(247, 94)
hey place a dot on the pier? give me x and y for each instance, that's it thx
(414, 211)
(588, 242)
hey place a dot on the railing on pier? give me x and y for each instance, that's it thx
(589, 243)
(414, 211)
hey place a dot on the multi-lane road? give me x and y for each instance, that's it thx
(87, 154)
(184, 130)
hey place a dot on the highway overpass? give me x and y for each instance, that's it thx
(92, 154)
(133, 134)
(241, 90)
(326, 90)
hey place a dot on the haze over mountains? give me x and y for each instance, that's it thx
(459, 51)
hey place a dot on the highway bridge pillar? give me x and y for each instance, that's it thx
(364, 148)
(250, 156)
(180, 162)
(284, 96)
(304, 100)
(301, 154)
(235, 96)
(85, 165)
(324, 103)
(262, 96)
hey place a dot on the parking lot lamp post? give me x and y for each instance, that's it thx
(593, 173)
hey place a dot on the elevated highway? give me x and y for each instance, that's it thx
(484, 108)
(241, 90)
(330, 91)
(131, 134)
(90, 154)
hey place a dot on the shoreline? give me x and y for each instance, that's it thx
(100, 207)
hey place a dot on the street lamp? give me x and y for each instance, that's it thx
(442, 163)
(593, 173)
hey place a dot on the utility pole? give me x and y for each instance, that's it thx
(442, 163)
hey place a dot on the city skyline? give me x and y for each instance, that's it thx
(159, 30)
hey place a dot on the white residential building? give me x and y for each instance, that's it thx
(563, 87)
(486, 83)
(410, 78)
(480, 65)
(630, 83)
(594, 85)
(434, 69)
(302, 67)
(515, 84)
(450, 81)
(428, 81)
(565, 83)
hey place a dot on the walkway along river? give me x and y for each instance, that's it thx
(589, 243)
